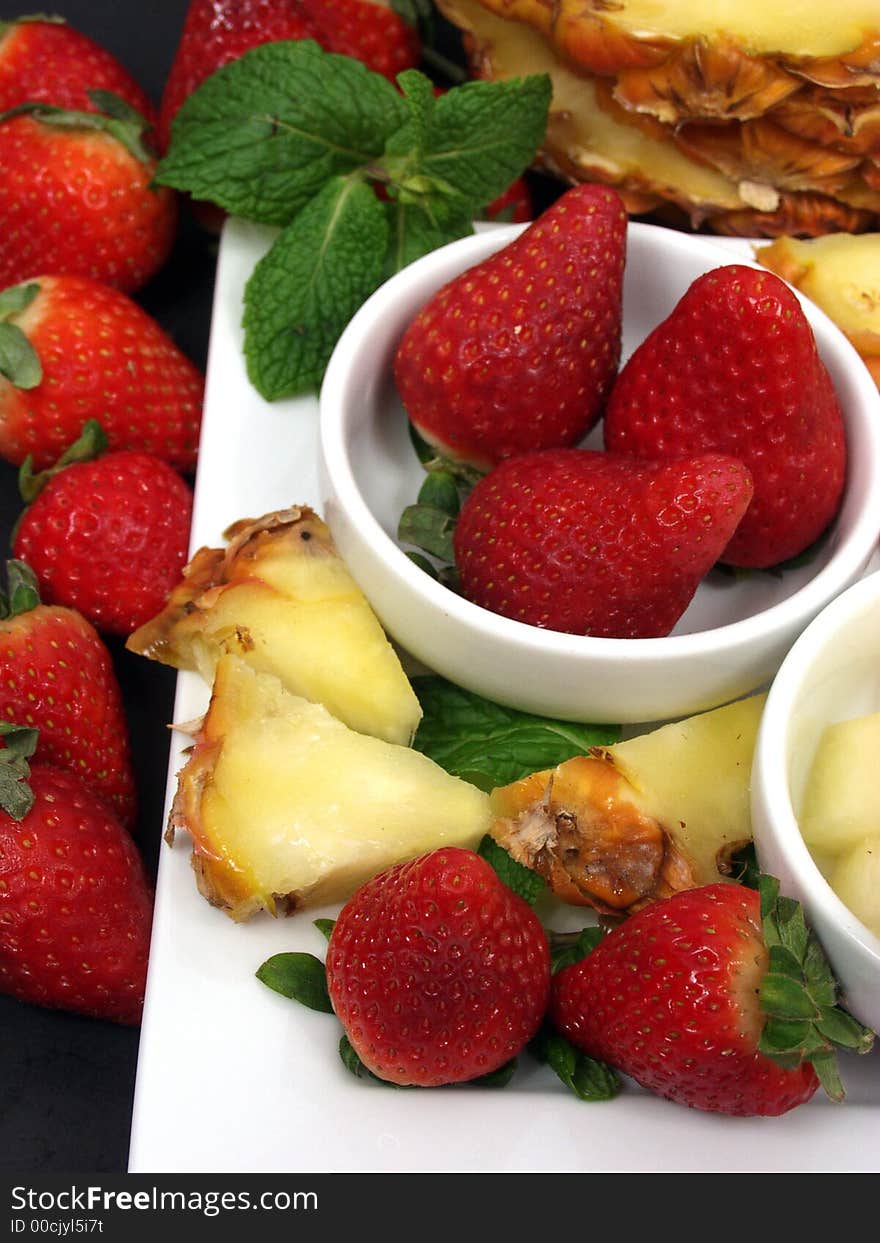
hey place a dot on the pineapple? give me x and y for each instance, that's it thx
(280, 597)
(839, 814)
(287, 807)
(758, 119)
(641, 819)
(841, 274)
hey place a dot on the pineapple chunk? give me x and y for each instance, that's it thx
(281, 597)
(641, 819)
(287, 807)
(841, 800)
(856, 881)
(841, 274)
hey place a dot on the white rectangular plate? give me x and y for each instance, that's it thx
(234, 1078)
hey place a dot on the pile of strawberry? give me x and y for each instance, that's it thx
(718, 998)
(723, 435)
(101, 412)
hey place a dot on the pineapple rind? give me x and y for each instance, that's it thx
(287, 807)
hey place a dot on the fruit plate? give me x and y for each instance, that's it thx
(234, 1078)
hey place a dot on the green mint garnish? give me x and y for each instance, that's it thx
(527, 884)
(301, 977)
(586, 1078)
(361, 177)
(570, 947)
(465, 733)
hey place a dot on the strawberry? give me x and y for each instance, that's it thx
(57, 675)
(514, 206)
(735, 369)
(437, 971)
(45, 59)
(107, 535)
(519, 352)
(702, 1002)
(368, 30)
(77, 350)
(76, 197)
(75, 903)
(593, 543)
(216, 32)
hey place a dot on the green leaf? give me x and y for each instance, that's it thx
(263, 135)
(587, 1078)
(301, 977)
(463, 732)
(414, 232)
(90, 444)
(428, 528)
(303, 292)
(20, 740)
(527, 884)
(17, 298)
(19, 361)
(568, 948)
(499, 1078)
(127, 130)
(325, 926)
(484, 134)
(22, 589)
(16, 795)
(440, 491)
(786, 998)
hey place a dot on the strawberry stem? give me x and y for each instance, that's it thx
(22, 590)
(91, 443)
(16, 796)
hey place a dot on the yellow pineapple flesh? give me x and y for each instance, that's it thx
(280, 597)
(841, 274)
(641, 819)
(287, 807)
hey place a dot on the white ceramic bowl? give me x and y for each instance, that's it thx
(735, 631)
(832, 673)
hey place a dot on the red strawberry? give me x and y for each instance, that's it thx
(735, 369)
(368, 30)
(216, 32)
(45, 59)
(76, 198)
(519, 352)
(56, 675)
(75, 903)
(437, 971)
(93, 354)
(671, 998)
(593, 543)
(108, 537)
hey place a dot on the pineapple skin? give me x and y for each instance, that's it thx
(287, 807)
(280, 597)
(639, 820)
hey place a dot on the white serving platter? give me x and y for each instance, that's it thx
(233, 1078)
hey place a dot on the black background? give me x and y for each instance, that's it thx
(66, 1082)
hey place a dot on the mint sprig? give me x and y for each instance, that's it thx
(361, 177)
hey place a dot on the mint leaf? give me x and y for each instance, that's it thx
(587, 1078)
(465, 733)
(415, 233)
(483, 134)
(525, 883)
(303, 292)
(301, 977)
(263, 135)
(568, 948)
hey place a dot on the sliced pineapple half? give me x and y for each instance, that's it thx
(280, 597)
(641, 819)
(287, 807)
(765, 117)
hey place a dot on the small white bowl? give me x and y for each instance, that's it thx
(832, 673)
(736, 630)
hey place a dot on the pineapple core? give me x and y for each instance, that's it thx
(281, 598)
(639, 820)
(287, 807)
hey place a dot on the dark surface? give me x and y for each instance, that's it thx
(66, 1083)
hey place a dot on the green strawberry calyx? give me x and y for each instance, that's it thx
(19, 362)
(19, 742)
(117, 119)
(798, 995)
(22, 590)
(91, 443)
